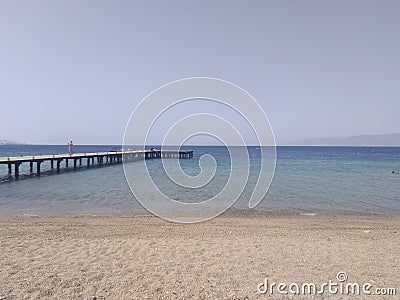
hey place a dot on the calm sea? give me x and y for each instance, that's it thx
(307, 179)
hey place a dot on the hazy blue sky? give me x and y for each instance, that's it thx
(76, 69)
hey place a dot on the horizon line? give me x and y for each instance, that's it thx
(198, 145)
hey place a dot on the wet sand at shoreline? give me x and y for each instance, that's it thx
(144, 257)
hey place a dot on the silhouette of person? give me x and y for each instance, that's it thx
(70, 144)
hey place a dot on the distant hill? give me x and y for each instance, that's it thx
(7, 142)
(358, 140)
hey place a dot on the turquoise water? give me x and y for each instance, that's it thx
(307, 179)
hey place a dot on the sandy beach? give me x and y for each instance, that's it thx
(144, 257)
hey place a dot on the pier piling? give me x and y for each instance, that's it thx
(38, 167)
(16, 172)
(58, 165)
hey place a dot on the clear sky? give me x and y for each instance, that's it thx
(76, 69)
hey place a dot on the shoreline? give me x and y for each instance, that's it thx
(238, 213)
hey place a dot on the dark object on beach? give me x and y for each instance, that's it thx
(393, 172)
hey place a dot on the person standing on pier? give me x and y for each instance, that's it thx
(70, 144)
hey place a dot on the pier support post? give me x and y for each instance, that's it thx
(75, 163)
(88, 162)
(52, 164)
(58, 165)
(9, 169)
(31, 166)
(38, 167)
(80, 161)
(66, 162)
(16, 172)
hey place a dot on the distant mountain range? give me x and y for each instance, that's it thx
(392, 139)
(7, 142)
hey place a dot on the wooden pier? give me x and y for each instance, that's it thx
(91, 159)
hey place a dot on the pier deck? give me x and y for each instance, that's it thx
(94, 158)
